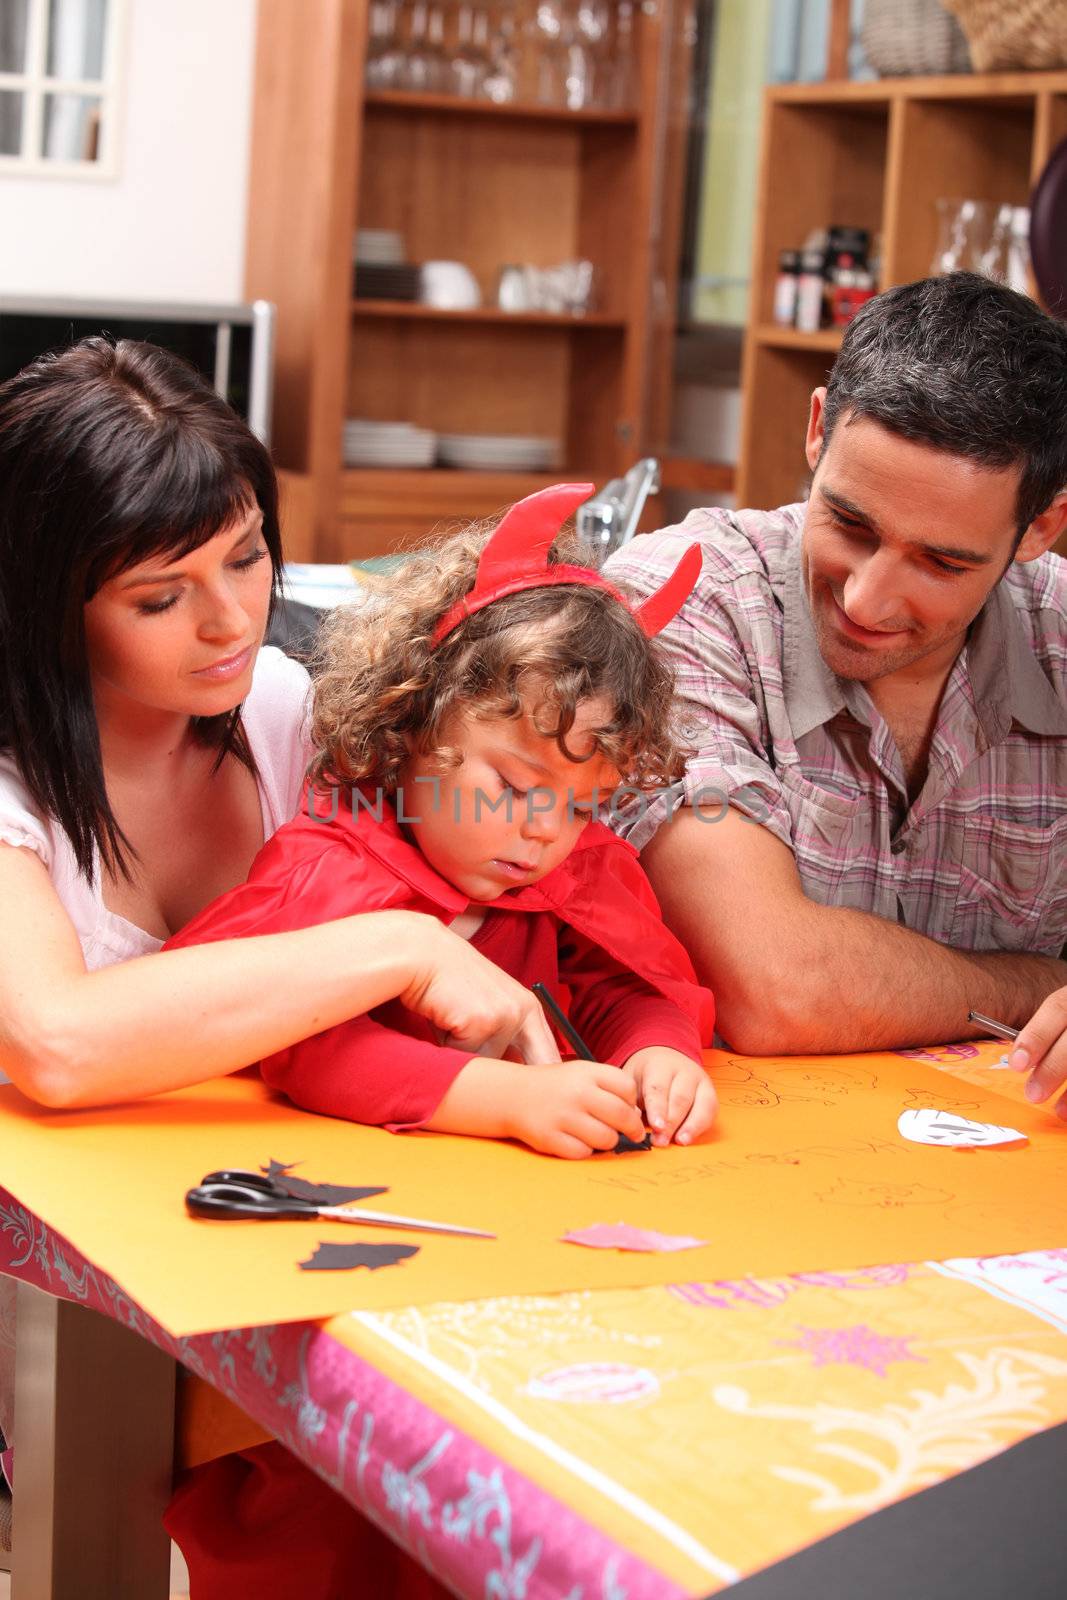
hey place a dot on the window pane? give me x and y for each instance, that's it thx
(13, 35)
(76, 38)
(10, 122)
(71, 127)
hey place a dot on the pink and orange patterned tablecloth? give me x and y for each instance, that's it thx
(638, 1444)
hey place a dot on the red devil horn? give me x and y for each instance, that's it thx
(655, 613)
(522, 541)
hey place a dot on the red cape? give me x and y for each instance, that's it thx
(314, 871)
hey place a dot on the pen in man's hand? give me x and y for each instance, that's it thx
(1000, 1029)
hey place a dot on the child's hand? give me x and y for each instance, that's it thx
(677, 1097)
(573, 1108)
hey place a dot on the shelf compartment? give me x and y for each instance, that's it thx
(825, 165)
(1050, 127)
(464, 377)
(492, 316)
(382, 511)
(796, 339)
(450, 105)
(493, 193)
(953, 149)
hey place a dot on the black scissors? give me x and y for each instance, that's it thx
(240, 1194)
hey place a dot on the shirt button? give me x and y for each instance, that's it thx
(898, 847)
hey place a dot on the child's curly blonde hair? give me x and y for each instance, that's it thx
(383, 690)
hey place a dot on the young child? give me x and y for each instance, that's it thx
(467, 730)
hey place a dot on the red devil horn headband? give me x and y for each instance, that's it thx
(516, 558)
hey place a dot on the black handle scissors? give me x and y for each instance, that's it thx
(239, 1194)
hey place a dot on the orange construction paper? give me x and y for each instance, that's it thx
(805, 1171)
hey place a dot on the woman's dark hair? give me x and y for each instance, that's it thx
(110, 453)
(967, 366)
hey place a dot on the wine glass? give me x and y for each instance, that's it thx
(384, 57)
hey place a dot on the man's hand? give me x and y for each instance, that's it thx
(1041, 1050)
(677, 1097)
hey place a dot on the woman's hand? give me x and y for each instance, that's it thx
(677, 1097)
(1041, 1050)
(472, 1003)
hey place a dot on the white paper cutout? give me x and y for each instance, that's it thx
(927, 1126)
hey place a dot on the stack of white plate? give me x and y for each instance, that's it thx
(378, 247)
(499, 452)
(387, 444)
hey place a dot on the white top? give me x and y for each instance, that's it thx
(275, 719)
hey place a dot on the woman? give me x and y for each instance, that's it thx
(147, 749)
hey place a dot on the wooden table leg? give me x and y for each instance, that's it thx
(94, 1418)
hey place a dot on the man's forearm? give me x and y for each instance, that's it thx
(866, 983)
(791, 976)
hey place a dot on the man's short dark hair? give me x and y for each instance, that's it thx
(967, 366)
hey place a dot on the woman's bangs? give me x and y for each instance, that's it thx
(172, 512)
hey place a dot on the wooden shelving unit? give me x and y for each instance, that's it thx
(403, 311)
(454, 106)
(876, 155)
(479, 183)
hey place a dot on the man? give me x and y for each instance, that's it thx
(872, 838)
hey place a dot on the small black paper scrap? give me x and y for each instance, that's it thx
(320, 1194)
(623, 1144)
(340, 1257)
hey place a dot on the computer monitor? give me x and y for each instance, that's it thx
(232, 346)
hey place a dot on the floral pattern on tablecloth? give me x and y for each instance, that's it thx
(469, 1517)
(714, 1428)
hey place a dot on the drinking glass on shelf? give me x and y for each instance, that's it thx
(424, 66)
(384, 57)
(1017, 274)
(467, 61)
(501, 78)
(993, 260)
(593, 25)
(618, 76)
(578, 80)
(546, 34)
(964, 232)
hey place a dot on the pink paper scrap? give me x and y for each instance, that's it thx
(623, 1236)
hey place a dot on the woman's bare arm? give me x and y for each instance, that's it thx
(69, 1037)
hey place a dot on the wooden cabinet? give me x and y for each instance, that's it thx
(877, 155)
(479, 183)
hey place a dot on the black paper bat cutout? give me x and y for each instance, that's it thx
(320, 1194)
(340, 1257)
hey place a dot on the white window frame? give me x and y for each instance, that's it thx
(35, 83)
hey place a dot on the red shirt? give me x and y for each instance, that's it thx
(590, 930)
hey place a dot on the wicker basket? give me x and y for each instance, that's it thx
(902, 38)
(1027, 33)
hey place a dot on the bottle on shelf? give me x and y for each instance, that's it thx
(785, 289)
(811, 291)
